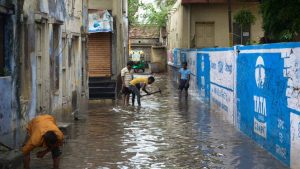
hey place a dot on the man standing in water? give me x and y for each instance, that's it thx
(42, 131)
(127, 76)
(184, 78)
(136, 84)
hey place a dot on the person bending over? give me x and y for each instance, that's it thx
(139, 83)
(42, 131)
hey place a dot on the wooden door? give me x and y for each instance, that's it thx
(99, 55)
(205, 34)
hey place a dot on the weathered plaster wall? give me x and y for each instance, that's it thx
(101, 4)
(29, 43)
(178, 27)
(5, 106)
(10, 85)
(159, 55)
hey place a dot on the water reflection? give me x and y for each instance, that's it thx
(166, 132)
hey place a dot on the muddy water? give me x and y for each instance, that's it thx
(167, 132)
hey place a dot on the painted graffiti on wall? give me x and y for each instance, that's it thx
(257, 88)
(260, 105)
(222, 81)
(221, 68)
(203, 74)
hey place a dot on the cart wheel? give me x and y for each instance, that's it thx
(143, 70)
(136, 70)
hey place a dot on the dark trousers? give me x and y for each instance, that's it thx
(183, 84)
(135, 92)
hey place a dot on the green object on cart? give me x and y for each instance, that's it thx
(139, 66)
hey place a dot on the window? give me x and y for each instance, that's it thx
(2, 65)
(241, 36)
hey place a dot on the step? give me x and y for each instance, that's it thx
(102, 90)
(100, 79)
(102, 96)
(96, 84)
(12, 159)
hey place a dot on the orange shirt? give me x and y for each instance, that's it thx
(36, 128)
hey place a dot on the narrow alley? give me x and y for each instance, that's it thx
(166, 132)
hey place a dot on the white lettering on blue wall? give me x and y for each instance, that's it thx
(260, 128)
(281, 151)
(280, 124)
(260, 105)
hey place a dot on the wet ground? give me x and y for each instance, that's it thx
(166, 132)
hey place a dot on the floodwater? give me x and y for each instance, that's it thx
(166, 132)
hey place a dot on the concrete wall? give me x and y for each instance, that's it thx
(159, 55)
(49, 33)
(256, 88)
(179, 27)
(120, 34)
(9, 85)
(100, 4)
(182, 22)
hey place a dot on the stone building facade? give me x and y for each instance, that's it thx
(43, 66)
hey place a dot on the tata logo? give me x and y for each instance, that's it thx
(260, 74)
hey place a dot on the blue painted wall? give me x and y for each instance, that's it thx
(262, 102)
(203, 74)
(266, 93)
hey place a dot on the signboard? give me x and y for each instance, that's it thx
(262, 101)
(100, 21)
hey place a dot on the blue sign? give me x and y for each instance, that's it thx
(203, 74)
(262, 101)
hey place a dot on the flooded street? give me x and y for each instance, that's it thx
(166, 132)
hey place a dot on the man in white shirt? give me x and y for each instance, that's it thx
(127, 76)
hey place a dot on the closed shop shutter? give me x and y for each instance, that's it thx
(99, 55)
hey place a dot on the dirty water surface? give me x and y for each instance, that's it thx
(168, 131)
